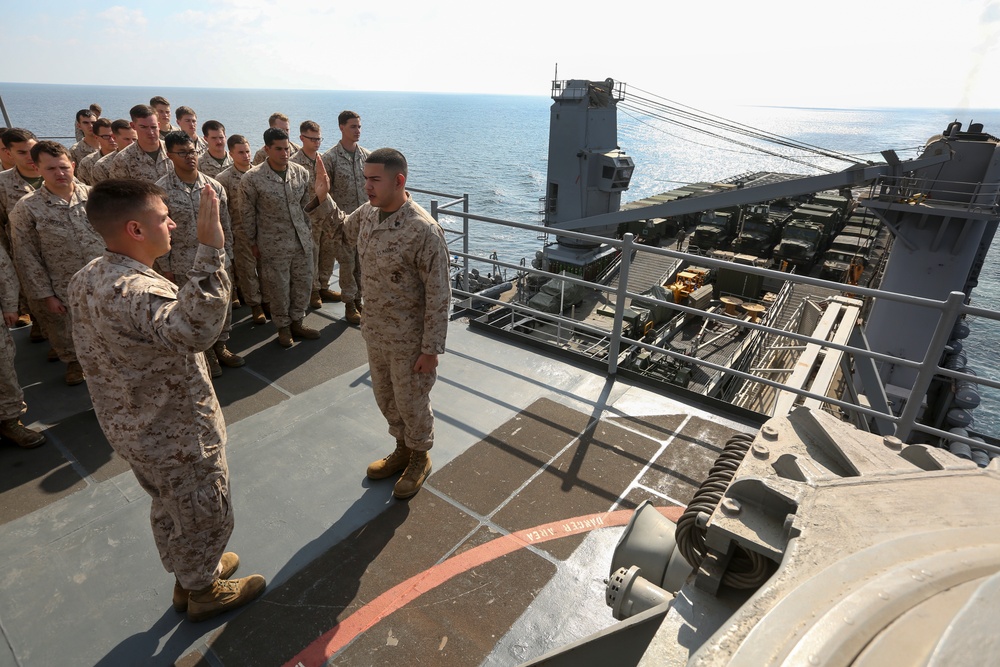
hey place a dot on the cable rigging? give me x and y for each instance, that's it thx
(714, 126)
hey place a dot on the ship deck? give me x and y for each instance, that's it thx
(499, 559)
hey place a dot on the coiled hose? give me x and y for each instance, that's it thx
(747, 569)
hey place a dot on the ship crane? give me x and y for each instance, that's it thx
(942, 208)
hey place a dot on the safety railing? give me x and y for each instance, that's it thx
(927, 369)
(911, 190)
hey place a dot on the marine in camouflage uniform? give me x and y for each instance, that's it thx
(13, 188)
(276, 221)
(124, 137)
(11, 396)
(102, 168)
(80, 150)
(243, 260)
(404, 272)
(52, 240)
(260, 155)
(182, 202)
(106, 146)
(85, 167)
(347, 187)
(200, 145)
(322, 233)
(139, 337)
(210, 166)
(133, 162)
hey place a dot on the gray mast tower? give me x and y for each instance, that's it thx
(587, 171)
(944, 219)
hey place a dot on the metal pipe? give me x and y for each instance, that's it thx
(465, 239)
(616, 332)
(6, 118)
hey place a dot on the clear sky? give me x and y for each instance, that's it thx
(841, 53)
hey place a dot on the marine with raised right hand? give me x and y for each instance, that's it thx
(140, 338)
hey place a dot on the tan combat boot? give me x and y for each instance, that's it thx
(414, 475)
(230, 563)
(227, 358)
(257, 315)
(74, 373)
(300, 330)
(392, 464)
(315, 301)
(351, 314)
(329, 295)
(223, 595)
(285, 336)
(213, 363)
(19, 434)
(359, 305)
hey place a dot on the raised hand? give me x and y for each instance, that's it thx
(322, 180)
(209, 225)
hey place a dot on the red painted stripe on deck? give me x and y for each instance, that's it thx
(322, 648)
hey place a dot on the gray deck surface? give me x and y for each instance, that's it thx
(522, 440)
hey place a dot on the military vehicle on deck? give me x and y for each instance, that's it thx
(760, 230)
(716, 229)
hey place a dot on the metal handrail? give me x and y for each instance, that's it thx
(951, 309)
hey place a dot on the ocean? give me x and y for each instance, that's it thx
(494, 148)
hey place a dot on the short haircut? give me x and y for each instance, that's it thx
(119, 125)
(236, 140)
(16, 135)
(273, 134)
(276, 116)
(141, 111)
(391, 158)
(101, 123)
(308, 126)
(84, 113)
(114, 202)
(176, 138)
(210, 125)
(158, 100)
(184, 111)
(52, 148)
(346, 115)
(96, 108)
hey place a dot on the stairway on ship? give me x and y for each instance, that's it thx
(796, 296)
(646, 270)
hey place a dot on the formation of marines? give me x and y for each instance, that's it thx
(128, 251)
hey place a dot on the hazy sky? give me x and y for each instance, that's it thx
(842, 53)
